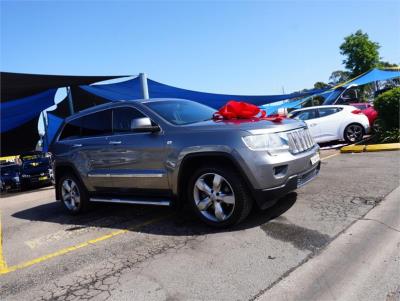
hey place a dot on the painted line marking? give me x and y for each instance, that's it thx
(3, 264)
(6, 270)
(330, 156)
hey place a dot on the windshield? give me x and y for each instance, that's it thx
(181, 112)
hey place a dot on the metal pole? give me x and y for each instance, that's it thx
(70, 101)
(145, 88)
(45, 136)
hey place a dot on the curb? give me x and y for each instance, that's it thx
(370, 148)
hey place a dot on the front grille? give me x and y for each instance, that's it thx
(300, 140)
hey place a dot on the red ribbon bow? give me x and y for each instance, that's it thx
(243, 110)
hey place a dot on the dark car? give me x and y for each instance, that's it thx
(36, 170)
(10, 177)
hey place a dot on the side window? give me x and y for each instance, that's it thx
(323, 112)
(71, 130)
(96, 124)
(306, 115)
(122, 119)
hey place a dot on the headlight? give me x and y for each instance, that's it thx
(16, 179)
(272, 143)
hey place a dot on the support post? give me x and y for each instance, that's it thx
(45, 138)
(145, 88)
(70, 101)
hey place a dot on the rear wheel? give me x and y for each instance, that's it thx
(219, 196)
(73, 194)
(353, 133)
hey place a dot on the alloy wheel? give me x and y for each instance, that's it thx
(214, 197)
(354, 132)
(70, 194)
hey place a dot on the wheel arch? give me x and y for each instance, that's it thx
(60, 170)
(192, 161)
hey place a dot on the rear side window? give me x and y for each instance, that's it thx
(305, 115)
(328, 111)
(71, 130)
(96, 124)
(122, 119)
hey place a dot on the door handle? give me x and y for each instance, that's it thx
(114, 142)
(313, 124)
(76, 145)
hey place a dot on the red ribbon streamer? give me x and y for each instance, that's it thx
(243, 110)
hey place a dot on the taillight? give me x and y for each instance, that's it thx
(357, 112)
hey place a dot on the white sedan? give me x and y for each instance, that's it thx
(334, 122)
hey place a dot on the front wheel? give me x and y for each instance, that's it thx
(219, 196)
(353, 133)
(73, 194)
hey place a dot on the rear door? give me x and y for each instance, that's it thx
(87, 141)
(138, 157)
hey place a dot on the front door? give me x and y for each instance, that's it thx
(138, 165)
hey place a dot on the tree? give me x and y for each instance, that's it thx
(339, 76)
(321, 85)
(383, 64)
(361, 53)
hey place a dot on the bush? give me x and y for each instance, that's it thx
(388, 105)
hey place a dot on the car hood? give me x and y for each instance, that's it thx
(255, 127)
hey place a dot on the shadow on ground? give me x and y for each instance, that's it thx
(119, 216)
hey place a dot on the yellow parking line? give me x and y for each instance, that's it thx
(327, 157)
(6, 270)
(3, 264)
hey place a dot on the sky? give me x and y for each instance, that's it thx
(232, 47)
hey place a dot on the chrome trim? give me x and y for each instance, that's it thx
(131, 175)
(131, 201)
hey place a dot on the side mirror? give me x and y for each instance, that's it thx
(142, 125)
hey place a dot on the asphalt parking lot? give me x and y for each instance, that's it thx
(150, 253)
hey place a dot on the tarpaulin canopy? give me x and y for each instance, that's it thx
(372, 76)
(23, 97)
(18, 85)
(53, 124)
(130, 90)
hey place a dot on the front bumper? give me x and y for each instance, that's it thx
(266, 198)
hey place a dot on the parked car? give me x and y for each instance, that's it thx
(368, 110)
(334, 122)
(36, 170)
(10, 177)
(170, 151)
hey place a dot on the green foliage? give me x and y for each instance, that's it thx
(361, 53)
(321, 85)
(388, 105)
(383, 64)
(339, 76)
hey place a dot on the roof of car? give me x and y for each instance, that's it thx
(117, 104)
(320, 107)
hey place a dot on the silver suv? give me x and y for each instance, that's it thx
(171, 152)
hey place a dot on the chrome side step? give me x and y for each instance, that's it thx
(136, 201)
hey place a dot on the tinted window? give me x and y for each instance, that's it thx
(328, 111)
(360, 106)
(305, 115)
(96, 124)
(181, 112)
(122, 119)
(71, 130)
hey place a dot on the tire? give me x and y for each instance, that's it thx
(353, 133)
(219, 196)
(76, 199)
